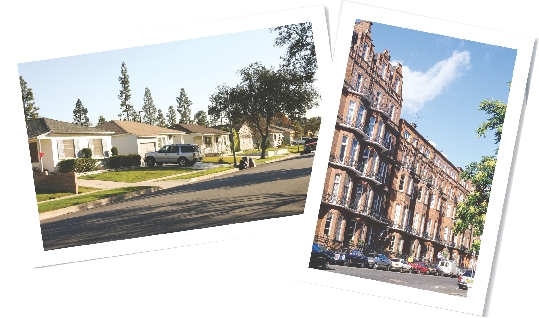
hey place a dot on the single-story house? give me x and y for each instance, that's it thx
(288, 134)
(52, 141)
(245, 136)
(212, 142)
(131, 137)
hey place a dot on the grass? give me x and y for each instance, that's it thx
(44, 196)
(137, 175)
(269, 158)
(227, 159)
(201, 173)
(294, 149)
(67, 202)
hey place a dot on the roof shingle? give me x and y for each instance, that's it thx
(132, 127)
(40, 126)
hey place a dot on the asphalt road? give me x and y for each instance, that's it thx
(437, 284)
(267, 191)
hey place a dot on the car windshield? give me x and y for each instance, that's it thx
(468, 273)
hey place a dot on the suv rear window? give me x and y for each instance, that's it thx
(188, 148)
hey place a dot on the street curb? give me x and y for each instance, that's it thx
(95, 204)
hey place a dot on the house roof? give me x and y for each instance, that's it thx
(132, 127)
(282, 128)
(197, 129)
(41, 126)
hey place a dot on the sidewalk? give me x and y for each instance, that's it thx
(156, 184)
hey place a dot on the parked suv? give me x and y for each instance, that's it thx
(182, 154)
(310, 145)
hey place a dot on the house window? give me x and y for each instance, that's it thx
(383, 171)
(351, 230)
(373, 164)
(66, 149)
(335, 192)
(407, 135)
(391, 111)
(363, 166)
(422, 224)
(343, 148)
(432, 200)
(420, 194)
(401, 183)
(350, 115)
(429, 225)
(359, 193)
(392, 243)
(338, 229)
(372, 122)
(445, 233)
(207, 140)
(380, 131)
(378, 99)
(345, 191)
(396, 86)
(397, 215)
(358, 82)
(410, 185)
(34, 155)
(427, 153)
(416, 219)
(97, 147)
(353, 152)
(365, 51)
(327, 228)
(359, 118)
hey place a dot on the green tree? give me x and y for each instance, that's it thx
(171, 116)
(30, 109)
(184, 108)
(313, 124)
(80, 115)
(150, 111)
(201, 118)
(300, 54)
(225, 103)
(160, 119)
(127, 110)
(268, 92)
(472, 212)
(101, 120)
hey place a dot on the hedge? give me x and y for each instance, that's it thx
(123, 161)
(76, 165)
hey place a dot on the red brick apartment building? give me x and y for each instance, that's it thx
(387, 188)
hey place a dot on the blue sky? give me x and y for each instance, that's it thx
(445, 79)
(197, 65)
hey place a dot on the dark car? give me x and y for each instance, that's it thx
(432, 268)
(319, 257)
(310, 145)
(348, 257)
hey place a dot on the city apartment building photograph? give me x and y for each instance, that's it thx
(414, 149)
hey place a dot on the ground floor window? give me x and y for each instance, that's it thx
(66, 149)
(97, 147)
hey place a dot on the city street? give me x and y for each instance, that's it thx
(267, 191)
(446, 285)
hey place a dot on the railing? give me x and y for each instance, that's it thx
(364, 92)
(355, 125)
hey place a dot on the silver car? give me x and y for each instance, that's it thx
(379, 261)
(401, 265)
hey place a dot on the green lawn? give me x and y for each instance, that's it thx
(63, 203)
(44, 196)
(137, 175)
(269, 158)
(227, 159)
(201, 173)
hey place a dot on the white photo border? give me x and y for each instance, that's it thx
(475, 301)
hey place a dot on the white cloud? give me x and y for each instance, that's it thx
(419, 87)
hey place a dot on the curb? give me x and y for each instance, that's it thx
(95, 204)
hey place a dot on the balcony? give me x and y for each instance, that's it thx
(358, 168)
(378, 142)
(356, 127)
(384, 110)
(364, 93)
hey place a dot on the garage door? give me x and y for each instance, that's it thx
(146, 147)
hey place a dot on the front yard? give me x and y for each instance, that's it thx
(138, 174)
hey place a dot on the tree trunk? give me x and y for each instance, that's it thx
(263, 147)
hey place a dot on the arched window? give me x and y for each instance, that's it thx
(327, 227)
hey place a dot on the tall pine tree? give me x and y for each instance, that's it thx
(160, 119)
(30, 110)
(80, 115)
(184, 108)
(171, 116)
(101, 120)
(201, 118)
(127, 110)
(150, 111)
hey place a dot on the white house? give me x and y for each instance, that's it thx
(245, 136)
(51, 141)
(212, 141)
(131, 137)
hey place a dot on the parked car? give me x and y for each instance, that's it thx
(419, 268)
(319, 257)
(432, 269)
(378, 261)
(447, 268)
(310, 145)
(299, 141)
(356, 258)
(182, 154)
(401, 265)
(465, 280)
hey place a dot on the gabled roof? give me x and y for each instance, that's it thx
(282, 128)
(120, 127)
(41, 126)
(197, 129)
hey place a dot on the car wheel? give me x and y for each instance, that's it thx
(183, 162)
(326, 265)
(151, 162)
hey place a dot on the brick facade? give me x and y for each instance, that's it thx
(387, 188)
(58, 182)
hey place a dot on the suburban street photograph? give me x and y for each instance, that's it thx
(172, 137)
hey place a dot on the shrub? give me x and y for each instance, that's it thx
(86, 153)
(76, 165)
(119, 161)
(114, 151)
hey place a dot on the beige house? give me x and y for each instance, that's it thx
(51, 141)
(212, 141)
(132, 137)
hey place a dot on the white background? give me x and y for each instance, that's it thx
(241, 277)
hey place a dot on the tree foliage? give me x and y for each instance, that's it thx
(201, 118)
(150, 111)
(160, 119)
(171, 116)
(101, 120)
(472, 212)
(312, 124)
(300, 50)
(80, 115)
(267, 92)
(127, 111)
(30, 109)
(184, 108)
